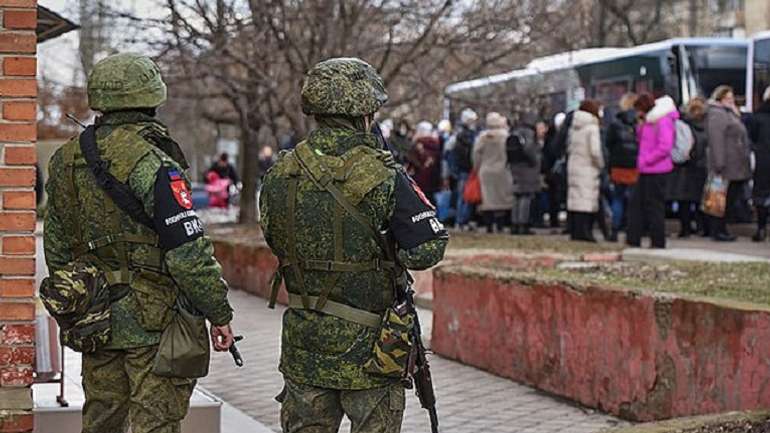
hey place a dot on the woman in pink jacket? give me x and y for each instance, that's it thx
(656, 135)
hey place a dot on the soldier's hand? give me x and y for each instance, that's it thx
(222, 337)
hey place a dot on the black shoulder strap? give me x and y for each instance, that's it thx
(119, 192)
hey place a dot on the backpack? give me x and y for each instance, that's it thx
(79, 296)
(683, 143)
(515, 150)
(464, 149)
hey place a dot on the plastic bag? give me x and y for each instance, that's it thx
(443, 205)
(714, 200)
(472, 191)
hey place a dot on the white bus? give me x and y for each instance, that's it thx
(758, 68)
(682, 68)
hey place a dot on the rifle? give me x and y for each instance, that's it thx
(418, 367)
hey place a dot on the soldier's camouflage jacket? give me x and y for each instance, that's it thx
(323, 249)
(178, 258)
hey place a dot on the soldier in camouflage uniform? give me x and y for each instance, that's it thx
(340, 281)
(157, 265)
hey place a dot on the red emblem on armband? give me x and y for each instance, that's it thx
(421, 194)
(181, 192)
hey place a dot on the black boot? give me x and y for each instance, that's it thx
(760, 235)
(524, 230)
(516, 229)
(613, 236)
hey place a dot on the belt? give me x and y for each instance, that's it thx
(345, 312)
(333, 266)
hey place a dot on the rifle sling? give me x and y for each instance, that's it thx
(119, 192)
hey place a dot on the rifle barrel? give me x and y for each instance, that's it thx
(433, 420)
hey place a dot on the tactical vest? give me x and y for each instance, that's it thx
(328, 258)
(126, 251)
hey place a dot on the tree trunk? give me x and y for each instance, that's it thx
(249, 144)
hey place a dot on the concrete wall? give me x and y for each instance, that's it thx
(634, 355)
(18, 90)
(248, 266)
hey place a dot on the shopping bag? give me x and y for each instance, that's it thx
(472, 191)
(443, 205)
(715, 196)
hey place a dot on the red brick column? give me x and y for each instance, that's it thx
(18, 90)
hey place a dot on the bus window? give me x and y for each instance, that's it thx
(761, 69)
(713, 66)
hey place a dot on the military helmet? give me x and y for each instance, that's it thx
(125, 81)
(343, 86)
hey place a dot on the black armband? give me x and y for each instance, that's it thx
(414, 219)
(174, 217)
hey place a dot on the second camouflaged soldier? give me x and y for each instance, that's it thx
(325, 207)
(148, 267)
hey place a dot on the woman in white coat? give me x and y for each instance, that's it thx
(585, 162)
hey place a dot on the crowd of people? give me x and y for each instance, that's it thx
(626, 172)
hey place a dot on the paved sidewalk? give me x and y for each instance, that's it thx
(470, 400)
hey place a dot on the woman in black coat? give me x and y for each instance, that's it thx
(759, 132)
(686, 183)
(623, 150)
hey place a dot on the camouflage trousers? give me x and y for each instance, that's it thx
(120, 388)
(308, 409)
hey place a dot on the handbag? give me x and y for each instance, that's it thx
(184, 350)
(472, 190)
(714, 200)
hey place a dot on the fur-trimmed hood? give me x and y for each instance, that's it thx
(664, 106)
(582, 119)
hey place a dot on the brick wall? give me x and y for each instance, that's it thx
(18, 90)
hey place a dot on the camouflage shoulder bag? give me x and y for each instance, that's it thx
(78, 298)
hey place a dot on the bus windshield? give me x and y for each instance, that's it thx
(715, 65)
(761, 68)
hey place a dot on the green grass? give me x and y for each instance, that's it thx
(729, 282)
(527, 244)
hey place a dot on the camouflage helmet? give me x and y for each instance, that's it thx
(343, 86)
(125, 81)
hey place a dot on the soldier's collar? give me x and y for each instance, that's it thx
(124, 117)
(337, 141)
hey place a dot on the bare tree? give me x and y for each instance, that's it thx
(248, 57)
(640, 21)
(95, 27)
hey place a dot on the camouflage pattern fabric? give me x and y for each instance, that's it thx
(309, 409)
(392, 349)
(123, 81)
(120, 387)
(78, 297)
(319, 349)
(343, 86)
(138, 318)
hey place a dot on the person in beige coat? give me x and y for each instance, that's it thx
(585, 162)
(490, 163)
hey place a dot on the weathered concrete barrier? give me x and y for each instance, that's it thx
(248, 266)
(732, 422)
(637, 355)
